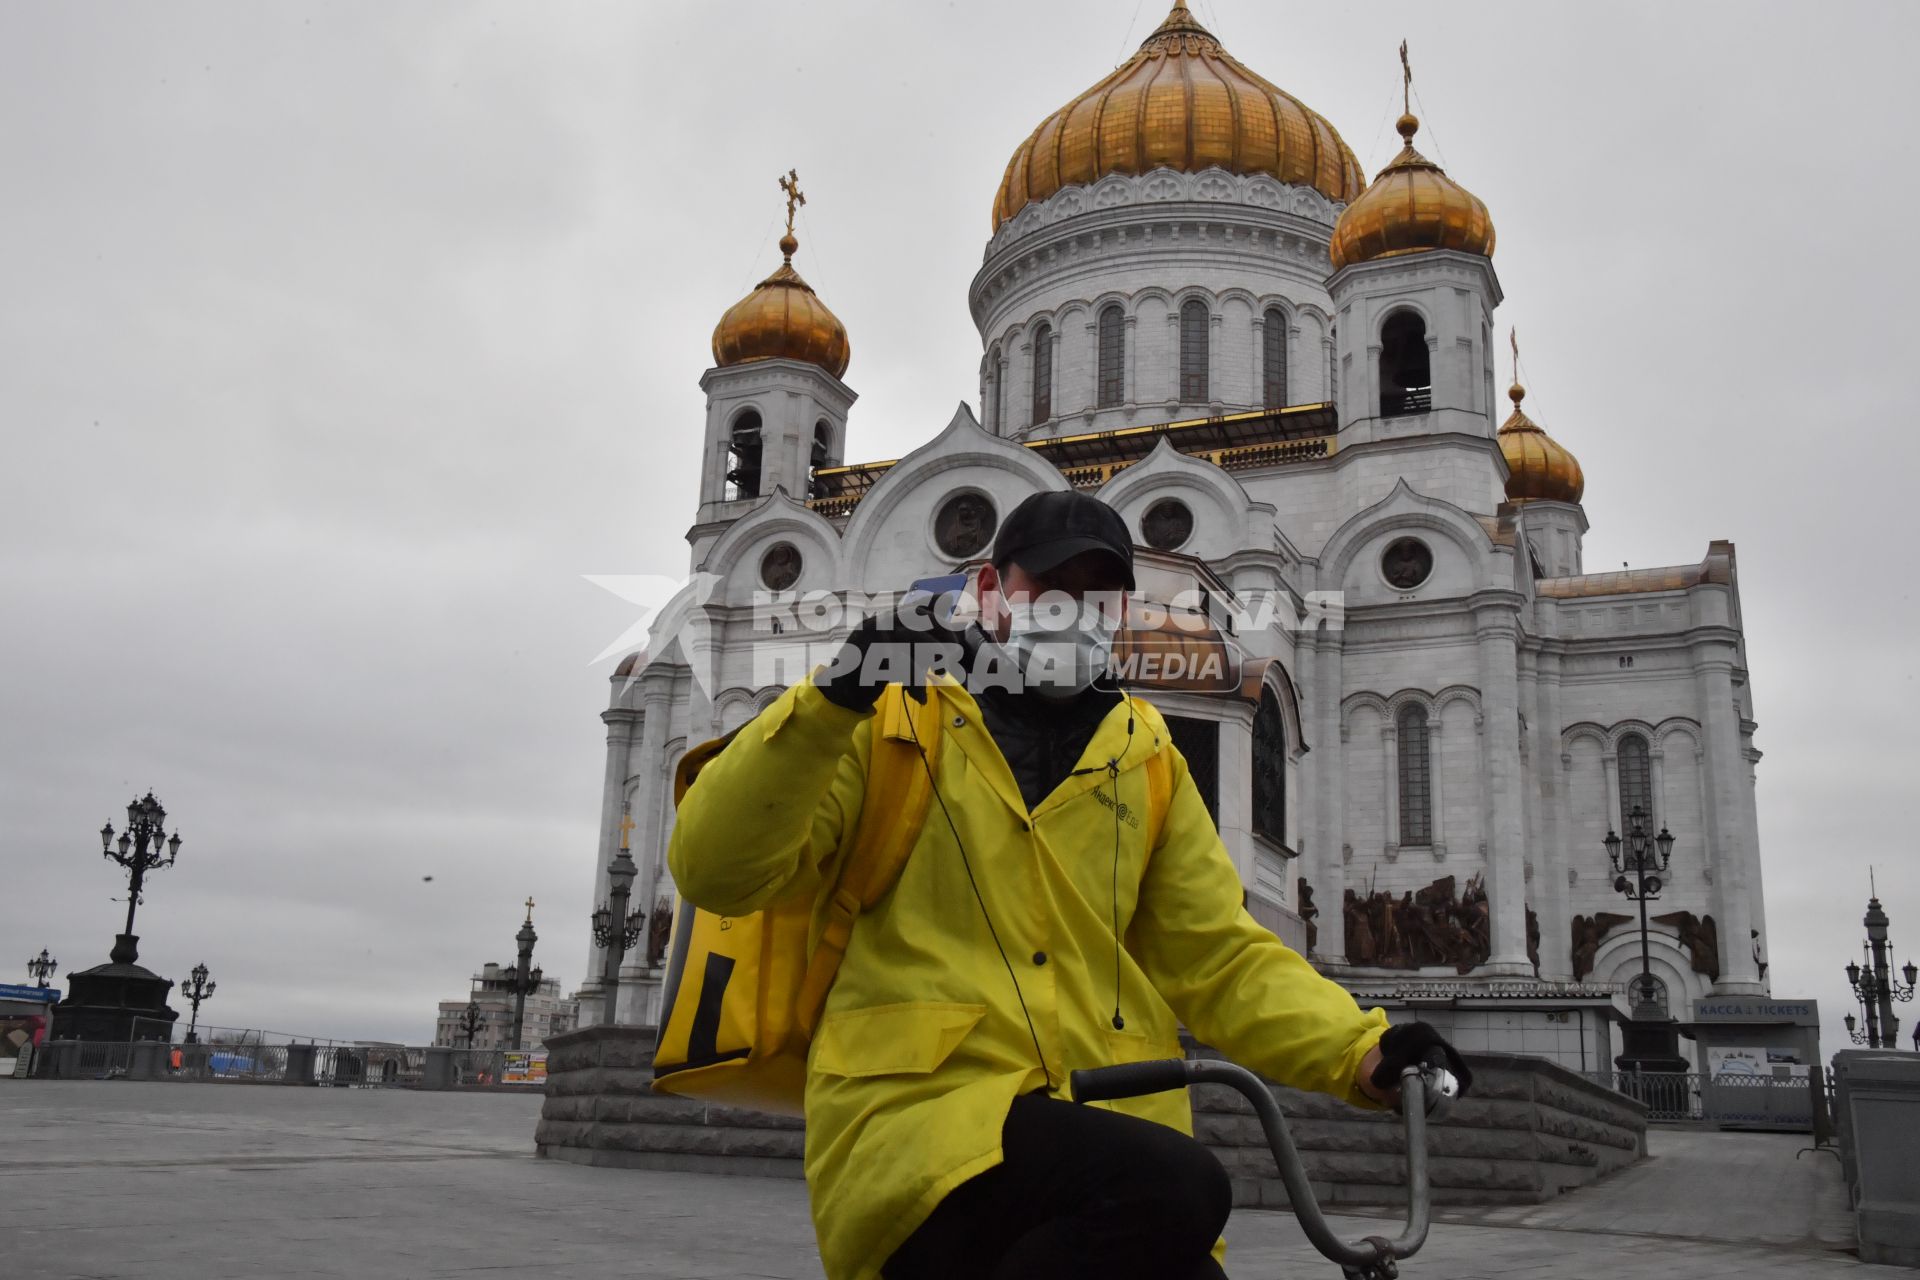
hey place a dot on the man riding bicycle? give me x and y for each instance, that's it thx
(1060, 910)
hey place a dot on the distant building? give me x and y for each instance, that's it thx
(548, 1013)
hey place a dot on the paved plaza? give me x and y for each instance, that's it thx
(171, 1181)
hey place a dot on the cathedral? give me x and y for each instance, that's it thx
(1195, 305)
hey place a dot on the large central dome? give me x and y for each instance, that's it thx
(1182, 102)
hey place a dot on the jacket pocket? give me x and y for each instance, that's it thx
(1128, 1046)
(892, 1039)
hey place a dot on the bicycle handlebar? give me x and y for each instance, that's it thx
(1423, 1091)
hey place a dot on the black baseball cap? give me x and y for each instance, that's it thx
(1049, 529)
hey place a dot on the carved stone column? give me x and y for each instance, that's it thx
(1550, 885)
(621, 725)
(1390, 753)
(1330, 881)
(1500, 747)
(1733, 843)
(1610, 767)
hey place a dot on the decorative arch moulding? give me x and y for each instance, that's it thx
(1162, 186)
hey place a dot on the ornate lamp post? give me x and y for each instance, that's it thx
(200, 989)
(41, 967)
(1639, 861)
(615, 927)
(142, 847)
(470, 1020)
(1875, 986)
(120, 1000)
(521, 977)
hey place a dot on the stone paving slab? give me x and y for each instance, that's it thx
(171, 1181)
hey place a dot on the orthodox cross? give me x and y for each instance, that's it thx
(529, 910)
(1513, 337)
(1406, 81)
(626, 825)
(795, 197)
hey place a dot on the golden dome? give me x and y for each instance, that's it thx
(782, 319)
(1411, 207)
(1182, 102)
(1539, 468)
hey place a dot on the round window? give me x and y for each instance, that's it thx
(780, 567)
(965, 525)
(1406, 563)
(1167, 524)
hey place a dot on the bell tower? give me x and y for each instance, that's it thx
(776, 407)
(1414, 293)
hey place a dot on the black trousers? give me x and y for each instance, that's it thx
(1083, 1192)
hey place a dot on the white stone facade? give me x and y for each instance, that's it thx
(1530, 675)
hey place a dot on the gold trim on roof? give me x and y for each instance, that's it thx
(1539, 468)
(1716, 569)
(1412, 207)
(1181, 102)
(783, 319)
(1233, 441)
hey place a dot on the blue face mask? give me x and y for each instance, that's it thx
(1061, 652)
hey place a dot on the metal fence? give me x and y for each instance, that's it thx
(1678, 1097)
(250, 1056)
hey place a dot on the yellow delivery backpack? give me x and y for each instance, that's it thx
(743, 993)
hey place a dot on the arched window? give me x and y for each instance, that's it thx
(1273, 360)
(1193, 351)
(1113, 356)
(999, 376)
(1270, 770)
(821, 456)
(1042, 374)
(1406, 380)
(1636, 782)
(1416, 777)
(743, 457)
(1333, 363)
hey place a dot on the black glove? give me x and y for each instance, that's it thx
(899, 644)
(1417, 1044)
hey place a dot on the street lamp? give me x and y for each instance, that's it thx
(1637, 874)
(41, 967)
(1875, 986)
(1650, 1037)
(521, 977)
(144, 846)
(470, 1020)
(193, 994)
(615, 927)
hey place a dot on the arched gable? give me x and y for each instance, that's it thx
(1401, 509)
(735, 554)
(968, 456)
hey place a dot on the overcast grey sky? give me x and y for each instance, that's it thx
(337, 341)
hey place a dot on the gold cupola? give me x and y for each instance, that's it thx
(1184, 103)
(1539, 468)
(1412, 206)
(783, 319)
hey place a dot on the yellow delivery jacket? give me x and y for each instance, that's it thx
(923, 1044)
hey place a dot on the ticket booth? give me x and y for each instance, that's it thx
(1759, 1060)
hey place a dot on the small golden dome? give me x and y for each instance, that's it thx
(782, 319)
(1411, 207)
(1539, 468)
(1183, 103)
